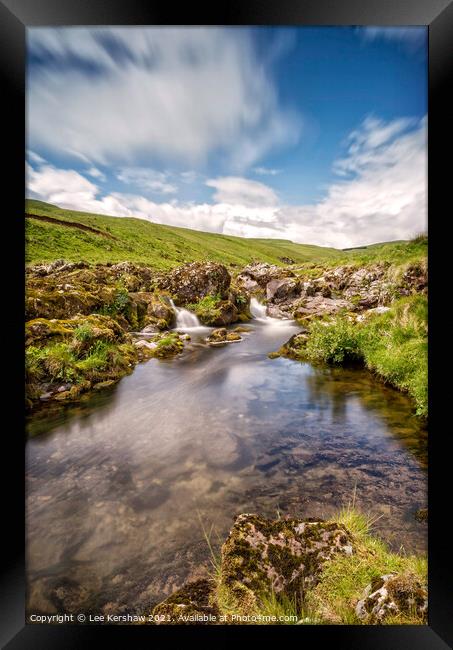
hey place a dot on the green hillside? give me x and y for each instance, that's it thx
(117, 239)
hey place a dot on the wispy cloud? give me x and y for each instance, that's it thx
(147, 179)
(127, 94)
(412, 37)
(265, 171)
(380, 195)
(94, 172)
(242, 191)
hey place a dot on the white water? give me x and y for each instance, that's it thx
(258, 312)
(185, 319)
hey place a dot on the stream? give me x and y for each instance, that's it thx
(121, 485)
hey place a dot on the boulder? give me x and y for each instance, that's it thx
(391, 595)
(319, 306)
(282, 290)
(258, 274)
(193, 281)
(285, 556)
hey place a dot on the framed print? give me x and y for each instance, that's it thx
(228, 367)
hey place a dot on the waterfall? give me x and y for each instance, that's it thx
(258, 312)
(257, 309)
(185, 319)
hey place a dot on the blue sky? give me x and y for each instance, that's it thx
(311, 134)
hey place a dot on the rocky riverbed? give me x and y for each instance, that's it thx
(88, 326)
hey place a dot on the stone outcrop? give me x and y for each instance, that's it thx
(257, 275)
(192, 282)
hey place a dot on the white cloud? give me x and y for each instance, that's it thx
(147, 179)
(242, 191)
(264, 171)
(189, 176)
(413, 39)
(94, 172)
(120, 94)
(385, 199)
(34, 157)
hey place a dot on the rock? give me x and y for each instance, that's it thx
(216, 313)
(222, 335)
(193, 281)
(283, 556)
(390, 595)
(150, 329)
(192, 604)
(319, 306)
(287, 260)
(258, 274)
(45, 396)
(277, 311)
(145, 344)
(157, 308)
(282, 290)
(103, 384)
(248, 283)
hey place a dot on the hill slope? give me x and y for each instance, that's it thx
(98, 238)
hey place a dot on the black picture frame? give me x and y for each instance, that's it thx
(15, 17)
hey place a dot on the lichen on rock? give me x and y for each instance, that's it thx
(392, 595)
(284, 557)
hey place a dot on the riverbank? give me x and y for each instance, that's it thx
(303, 571)
(89, 325)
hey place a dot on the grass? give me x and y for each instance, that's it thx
(393, 345)
(74, 361)
(342, 580)
(159, 246)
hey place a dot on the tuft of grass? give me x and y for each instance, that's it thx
(394, 345)
(344, 578)
(342, 581)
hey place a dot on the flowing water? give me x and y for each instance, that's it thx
(120, 486)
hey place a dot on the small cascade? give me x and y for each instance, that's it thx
(185, 319)
(258, 310)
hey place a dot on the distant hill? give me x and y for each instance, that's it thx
(53, 232)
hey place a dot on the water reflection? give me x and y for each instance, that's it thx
(117, 485)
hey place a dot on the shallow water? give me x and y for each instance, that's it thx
(120, 486)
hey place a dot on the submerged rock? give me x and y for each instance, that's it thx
(392, 595)
(193, 604)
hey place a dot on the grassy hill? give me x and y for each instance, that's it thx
(114, 239)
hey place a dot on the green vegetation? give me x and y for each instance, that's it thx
(345, 577)
(342, 581)
(392, 344)
(158, 246)
(82, 352)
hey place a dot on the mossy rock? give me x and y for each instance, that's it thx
(190, 605)
(393, 595)
(284, 557)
